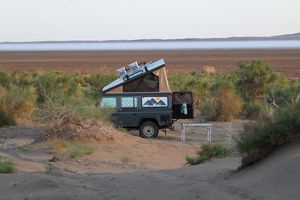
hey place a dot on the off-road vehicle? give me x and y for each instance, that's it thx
(141, 99)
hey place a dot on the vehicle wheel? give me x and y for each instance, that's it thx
(149, 129)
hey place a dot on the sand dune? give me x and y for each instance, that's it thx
(277, 177)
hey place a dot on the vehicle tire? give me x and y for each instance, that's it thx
(149, 129)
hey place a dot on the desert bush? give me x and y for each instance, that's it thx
(223, 102)
(15, 102)
(6, 118)
(87, 109)
(284, 94)
(97, 82)
(255, 79)
(75, 122)
(253, 109)
(22, 79)
(57, 99)
(56, 87)
(18, 101)
(5, 79)
(80, 107)
(66, 109)
(180, 81)
(261, 138)
(7, 166)
(207, 152)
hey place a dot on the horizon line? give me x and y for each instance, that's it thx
(231, 38)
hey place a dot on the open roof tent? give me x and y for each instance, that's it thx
(146, 77)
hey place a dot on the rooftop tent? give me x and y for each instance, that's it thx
(163, 80)
(150, 77)
(147, 83)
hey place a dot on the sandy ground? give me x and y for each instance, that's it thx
(155, 169)
(125, 153)
(284, 61)
(276, 178)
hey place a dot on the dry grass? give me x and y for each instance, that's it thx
(124, 159)
(86, 130)
(72, 149)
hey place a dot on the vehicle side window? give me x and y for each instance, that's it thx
(109, 102)
(129, 102)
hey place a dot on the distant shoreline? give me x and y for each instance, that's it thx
(295, 36)
(183, 45)
(155, 50)
(155, 40)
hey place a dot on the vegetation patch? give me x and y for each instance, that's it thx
(272, 130)
(72, 149)
(207, 152)
(124, 159)
(6, 118)
(7, 166)
(223, 103)
(50, 96)
(79, 150)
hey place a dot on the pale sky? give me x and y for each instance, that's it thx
(44, 20)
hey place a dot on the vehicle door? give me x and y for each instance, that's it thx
(182, 105)
(128, 112)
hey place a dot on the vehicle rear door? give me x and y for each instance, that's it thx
(182, 105)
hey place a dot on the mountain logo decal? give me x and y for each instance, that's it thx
(154, 101)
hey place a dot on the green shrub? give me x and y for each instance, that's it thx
(252, 110)
(18, 101)
(5, 79)
(255, 79)
(6, 118)
(286, 94)
(223, 103)
(181, 81)
(22, 79)
(97, 82)
(7, 167)
(56, 87)
(261, 138)
(86, 108)
(207, 152)
(78, 150)
(73, 109)
(51, 94)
